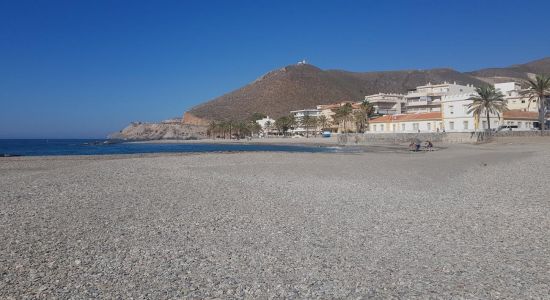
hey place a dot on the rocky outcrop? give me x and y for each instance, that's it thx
(166, 130)
(191, 119)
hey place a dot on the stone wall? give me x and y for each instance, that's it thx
(441, 137)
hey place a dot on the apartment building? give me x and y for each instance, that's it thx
(427, 98)
(387, 104)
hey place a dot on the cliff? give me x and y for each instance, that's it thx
(166, 130)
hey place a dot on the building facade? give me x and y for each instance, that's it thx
(299, 115)
(427, 98)
(515, 97)
(387, 104)
(407, 123)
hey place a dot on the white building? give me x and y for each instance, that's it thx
(299, 115)
(427, 98)
(515, 100)
(267, 124)
(456, 117)
(387, 104)
(407, 123)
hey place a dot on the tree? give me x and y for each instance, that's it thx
(343, 114)
(267, 127)
(323, 122)
(257, 116)
(254, 127)
(368, 110)
(360, 118)
(307, 122)
(539, 89)
(213, 127)
(488, 101)
(283, 124)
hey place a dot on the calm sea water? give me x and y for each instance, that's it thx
(102, 147)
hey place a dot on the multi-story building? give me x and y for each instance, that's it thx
(457, 118)
(427, 98)
(515, 97)
(387, 104)
(299, 115)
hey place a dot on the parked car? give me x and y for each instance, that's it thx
(326, 134)
(507, 127)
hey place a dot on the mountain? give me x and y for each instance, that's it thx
(305, 86)
(514, 72)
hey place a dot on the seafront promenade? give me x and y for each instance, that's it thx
(465, 222)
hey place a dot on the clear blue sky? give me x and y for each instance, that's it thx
(72, 69)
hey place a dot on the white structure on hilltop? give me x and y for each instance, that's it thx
(267, 124)
(387, 104)
(427, 98)
(299, 128)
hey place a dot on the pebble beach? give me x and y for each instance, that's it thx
(466, 221)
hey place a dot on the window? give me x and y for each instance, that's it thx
(451, 109)
(429, 126)
(465, 108)
(519, 124)
(465, 123)
(373, 127)
(415, 126)
(381, 127)
(484, 124)
(393, 127)
(402, 127)
(452, 125)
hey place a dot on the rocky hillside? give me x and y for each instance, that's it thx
(305, 86)
(166, 130)
(515, 72)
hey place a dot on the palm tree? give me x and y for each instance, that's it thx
(308, 121)
(539, 89)
(267, 126)
(488, 101)
(343, 114)
(212, 128)
(283, 124)
(323, 122)
(368, 110)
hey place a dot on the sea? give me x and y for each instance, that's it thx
(50, 147)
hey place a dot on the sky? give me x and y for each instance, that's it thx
(84, 69)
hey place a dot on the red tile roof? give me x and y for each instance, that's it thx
(520, 115)
(408, 117)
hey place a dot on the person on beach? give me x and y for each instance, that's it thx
(429, 146)
(417, 143)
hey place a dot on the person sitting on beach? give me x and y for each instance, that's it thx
(411, 146)
(429, 145)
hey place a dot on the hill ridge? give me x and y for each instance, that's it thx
(299, 86)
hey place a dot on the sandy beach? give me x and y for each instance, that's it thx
(468, 221)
